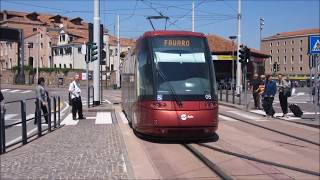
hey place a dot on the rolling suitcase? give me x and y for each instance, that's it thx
(296, 110)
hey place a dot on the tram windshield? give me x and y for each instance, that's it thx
(186, 66)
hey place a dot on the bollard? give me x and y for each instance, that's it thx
(232, 96)
(59, 111)
(220, 93)
(54, 112)
(227, 95)
(49, 114)
(38, 117)
(24, 122)
(2, 130)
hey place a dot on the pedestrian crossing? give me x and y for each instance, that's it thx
(22, 91)
(85, 102)
(258, 116)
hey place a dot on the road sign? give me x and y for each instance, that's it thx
(314, 45)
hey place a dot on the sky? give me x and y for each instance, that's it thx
(217, 17)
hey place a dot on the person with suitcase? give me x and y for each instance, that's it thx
(284, 93)
(268, 96)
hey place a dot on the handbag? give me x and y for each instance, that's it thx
(287, 91)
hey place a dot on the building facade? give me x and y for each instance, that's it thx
(290, 51)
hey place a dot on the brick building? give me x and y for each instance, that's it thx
(290, 51)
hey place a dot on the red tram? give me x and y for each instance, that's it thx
(169, 87)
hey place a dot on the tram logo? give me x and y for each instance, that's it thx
(184, 117)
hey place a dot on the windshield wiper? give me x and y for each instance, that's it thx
(173, 92)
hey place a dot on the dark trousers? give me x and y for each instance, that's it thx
(256, 98)
(77, 107)
(283, 102)
(267, 105)
(45, 113)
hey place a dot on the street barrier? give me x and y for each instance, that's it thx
(89, 96)
(24, 120)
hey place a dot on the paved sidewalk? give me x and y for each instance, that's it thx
(84, 151)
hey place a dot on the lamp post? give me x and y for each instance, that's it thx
(232, 70)
(260, 29)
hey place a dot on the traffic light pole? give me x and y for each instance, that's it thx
(96, 64)
(87, 72)
(238, 73)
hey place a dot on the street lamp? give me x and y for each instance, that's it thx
(233, 59)
(261, 28)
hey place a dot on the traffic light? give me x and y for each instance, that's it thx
(244, 54)
(94, 52)
(278, 67)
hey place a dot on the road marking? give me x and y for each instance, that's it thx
(10, 116)
(29, 116)
(255, 118)
(226, 118)
(16, 90)
(103, 118)
(27, 91)
(68, 121)
(107, 101)
(4, 90)
(123, 118)
(20, 137)
(90, 117)
(301, 93)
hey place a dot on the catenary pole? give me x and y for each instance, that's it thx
(96, 64)
(238, 75)
(117, 64)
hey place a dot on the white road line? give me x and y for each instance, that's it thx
(65, 108)
(68, 121)
(103, 118)
(107, 101)
(16, 90)
(255, 118)
(123, 117)
(4, 90)
(226, 118)
(20, 137)
(27, 117)
(10, 116)
(90, 117)
(27, 91)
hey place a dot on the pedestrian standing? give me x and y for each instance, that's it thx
(268, 95)
(75, 92)
(42, 95)
(254, 87)
(283, 88)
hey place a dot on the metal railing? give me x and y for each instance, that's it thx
(53, 109)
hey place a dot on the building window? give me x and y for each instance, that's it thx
(41, 36)
(285, 60)
(34, 29)
(111, 67)
(79, 50)
(59, 65)
(271, 51)
(285, 43)
(292, 42)
(270, 44)
(292, 49)
(278, 51)
(292, 69)
(285, 68)
(301, 41)
(292, 59)
(63, 38)
(10, 63)
(300, 68)
(300, 58)
(41, 45)
(70, 65)
(49, 43)
(270, 60)
(285, 50)
(301, 49)
(65, 66)
(278, 59)
(61, 51)
(55, 66)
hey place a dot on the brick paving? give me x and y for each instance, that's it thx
(84, 151)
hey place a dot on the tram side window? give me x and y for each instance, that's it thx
(145, 74)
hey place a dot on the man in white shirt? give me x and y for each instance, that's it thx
(75, 92)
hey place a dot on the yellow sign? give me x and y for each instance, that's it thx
(183, 43)
(223, 57)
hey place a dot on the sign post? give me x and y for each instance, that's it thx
(314, 53)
